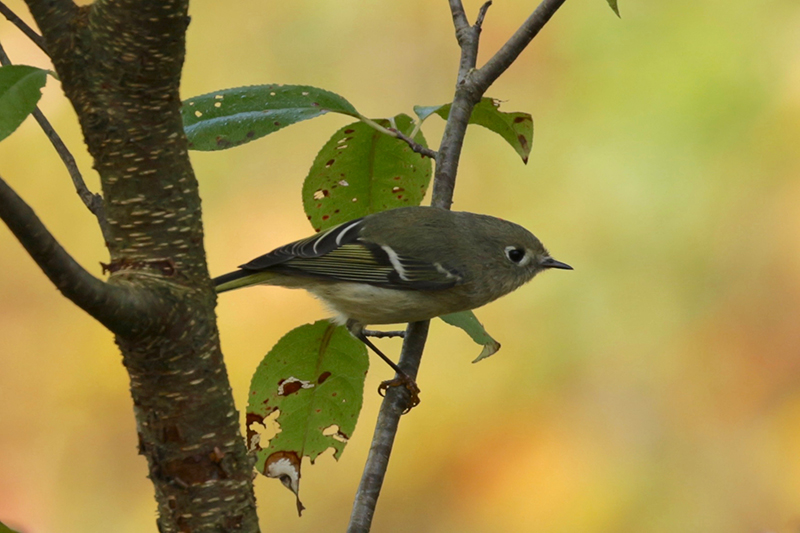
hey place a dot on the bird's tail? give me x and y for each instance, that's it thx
(239, 279)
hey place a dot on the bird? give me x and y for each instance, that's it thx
(402, 265)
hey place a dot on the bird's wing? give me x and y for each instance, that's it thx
(341, 254)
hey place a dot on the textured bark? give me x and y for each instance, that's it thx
(120, 63)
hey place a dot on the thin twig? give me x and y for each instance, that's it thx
(392, 408)
(397, 134)
(383, 334)
(94, 202)
(24, 28)
(482, 14)
(415, 146)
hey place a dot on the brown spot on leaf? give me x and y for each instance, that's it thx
(523, 141)
(349, 130)
(286, 388)
(250, 134)
(329, 164)
(222, 142)
(517, 120)
(322, 377)
(325, 217)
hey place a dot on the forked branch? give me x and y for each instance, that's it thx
(470, 86)
(122, 310)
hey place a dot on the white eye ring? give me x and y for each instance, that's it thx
(513, 255)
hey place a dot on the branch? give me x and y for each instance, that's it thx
(392, 407)
(378, 334)
(464, 100)
(397, 134)
(473, 83)
(120, 62)
(459, 17)
(487, 74)
(122, 310)
(24, 28)
(93, 201)
(468, 94)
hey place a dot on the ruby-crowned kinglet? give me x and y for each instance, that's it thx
(402, 265)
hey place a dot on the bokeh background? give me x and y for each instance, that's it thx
(654, 389)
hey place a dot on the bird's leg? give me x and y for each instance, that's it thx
(357, 330)
(383, 334)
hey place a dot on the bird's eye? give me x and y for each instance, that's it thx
(515, 254)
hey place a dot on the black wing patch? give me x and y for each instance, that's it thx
(314, 246)
(340, 254)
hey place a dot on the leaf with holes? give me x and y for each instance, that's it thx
(613, 5)
(515, 128)
(313, 380)
(224, 119)
(20, 91)
(361, 171)
(467, 321)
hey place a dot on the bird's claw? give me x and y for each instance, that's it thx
(406, 381)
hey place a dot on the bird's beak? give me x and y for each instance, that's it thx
(549, 262)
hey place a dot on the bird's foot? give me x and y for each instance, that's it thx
(402, 380)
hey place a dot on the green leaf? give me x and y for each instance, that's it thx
(314, 379)
(515, 128)
(224, 119)
(613, 4)
(20, 91)
(424, 112)
(6, 529)
(467, 321)
(361, 171)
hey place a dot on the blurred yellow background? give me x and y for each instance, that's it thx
(654, 389)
